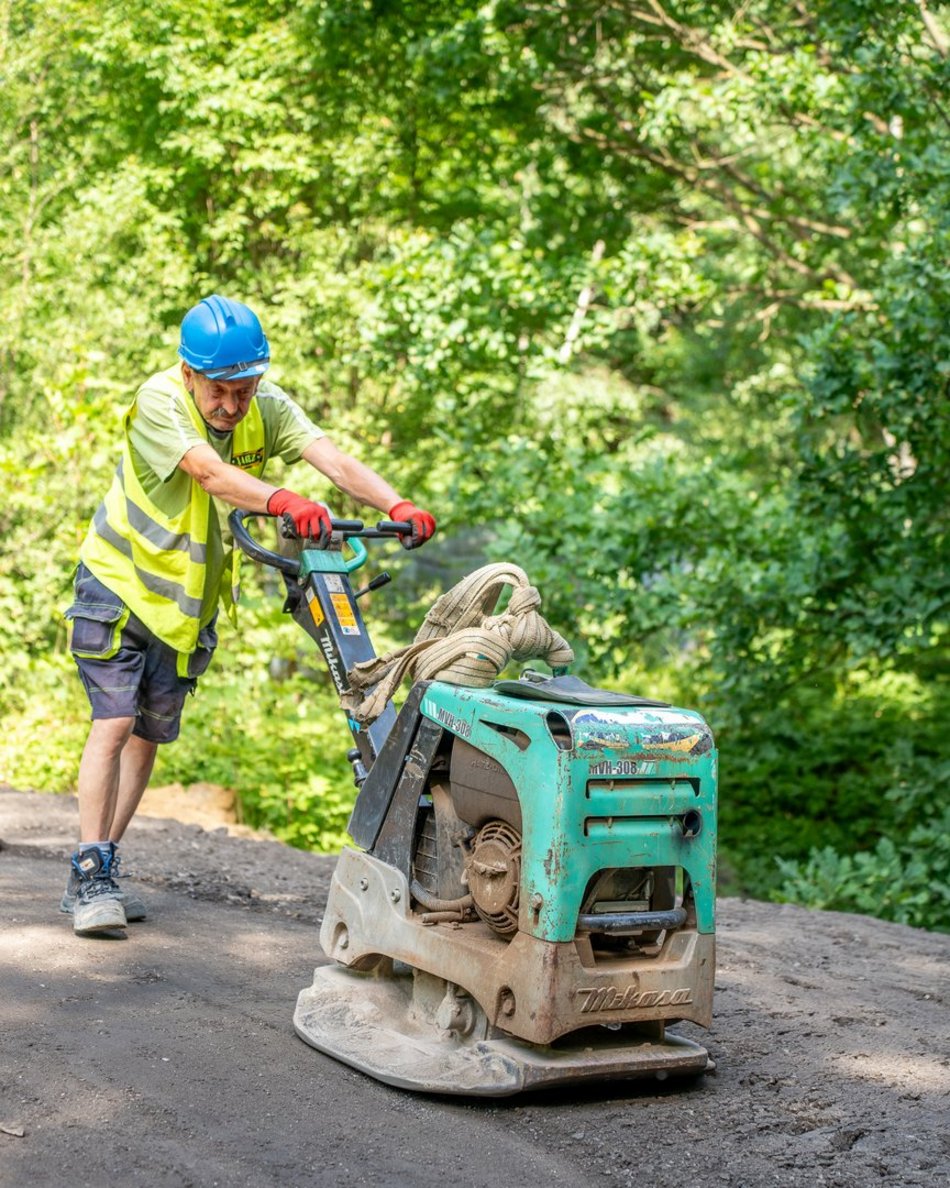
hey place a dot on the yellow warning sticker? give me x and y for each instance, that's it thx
(315, 612)
(344, 613)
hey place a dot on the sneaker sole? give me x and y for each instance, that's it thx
(102, 921)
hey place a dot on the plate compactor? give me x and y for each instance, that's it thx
(531, 898)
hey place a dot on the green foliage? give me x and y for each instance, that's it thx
(650, 299)
(903, 884)
(840, 768)
(44, 729)
(905, 880)
(283, 752)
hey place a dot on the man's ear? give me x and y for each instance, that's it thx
(188, 378)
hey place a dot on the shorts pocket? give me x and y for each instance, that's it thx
(96, 630)
(200, 658)
(96, 618)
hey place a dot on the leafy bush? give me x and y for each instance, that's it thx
(907, 882)
(280, 745)
(905, 876)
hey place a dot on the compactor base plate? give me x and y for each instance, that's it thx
(371, 1022)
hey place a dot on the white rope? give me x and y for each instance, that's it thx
(462, 642)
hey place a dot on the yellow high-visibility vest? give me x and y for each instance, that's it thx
(156, 563)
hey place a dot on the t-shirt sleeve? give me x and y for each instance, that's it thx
(161, 431)
(289, 430)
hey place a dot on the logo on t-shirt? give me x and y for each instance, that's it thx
(248, 460)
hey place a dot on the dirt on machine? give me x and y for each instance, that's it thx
(530, 899)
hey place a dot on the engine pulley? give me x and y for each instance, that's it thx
(493, 873)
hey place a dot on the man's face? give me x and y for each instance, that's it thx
(221, 403)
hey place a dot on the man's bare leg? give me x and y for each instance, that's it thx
(135, 767)
(99, 770)
(113, 773)
(92, 896)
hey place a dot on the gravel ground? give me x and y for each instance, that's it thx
(169, 1059)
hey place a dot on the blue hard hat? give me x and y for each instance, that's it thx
(224, 340)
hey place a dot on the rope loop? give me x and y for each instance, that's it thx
(461, 641)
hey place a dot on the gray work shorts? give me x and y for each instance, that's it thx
(128, 672)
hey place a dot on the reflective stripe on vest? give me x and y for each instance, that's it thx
(156, 563)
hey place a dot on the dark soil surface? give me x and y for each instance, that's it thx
(169, 1058)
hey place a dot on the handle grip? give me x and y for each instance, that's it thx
(385, 529)
(257, 552)
(288, 529)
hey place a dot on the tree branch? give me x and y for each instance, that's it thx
(933, 29)
(583, 304)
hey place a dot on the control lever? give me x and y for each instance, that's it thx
(359, 768)
(382, 579)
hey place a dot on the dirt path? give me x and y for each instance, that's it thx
(169, 1059)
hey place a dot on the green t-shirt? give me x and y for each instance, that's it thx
(162, 432)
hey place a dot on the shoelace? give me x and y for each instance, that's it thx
(114, 872)
(101, 885)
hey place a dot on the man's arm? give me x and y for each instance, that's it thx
(350, 476)
(366, 486)
(234, 486)
(240, 489)
(224, 481)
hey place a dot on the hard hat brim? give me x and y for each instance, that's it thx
(238, 370)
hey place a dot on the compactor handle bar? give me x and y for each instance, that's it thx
(342, 530)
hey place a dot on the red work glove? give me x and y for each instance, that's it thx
(423, 523)
(310, 519)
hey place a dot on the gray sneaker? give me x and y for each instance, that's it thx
(133, 905)
(96, 905)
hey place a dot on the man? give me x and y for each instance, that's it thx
(158, 558)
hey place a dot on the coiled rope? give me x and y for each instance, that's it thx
(461, 641)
